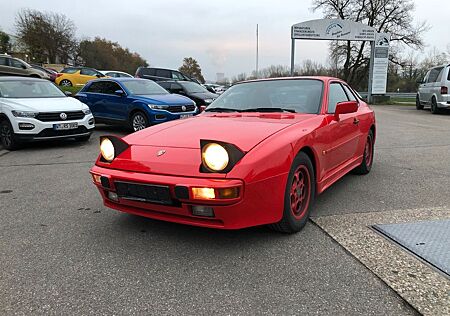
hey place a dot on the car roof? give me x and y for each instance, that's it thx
(121, 79)
(16, 78)
(321, 78)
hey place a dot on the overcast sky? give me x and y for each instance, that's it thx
(219, 34)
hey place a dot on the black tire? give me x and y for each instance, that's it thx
(419, 105)
(7, 137)
(83, 138)
(138, 121)
(366, 164)
(65, 83)
(294, 220)
(434, 107)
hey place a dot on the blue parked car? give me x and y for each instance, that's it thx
(137, 103)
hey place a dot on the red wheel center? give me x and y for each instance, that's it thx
(300, 192)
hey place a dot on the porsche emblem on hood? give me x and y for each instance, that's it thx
(160, 152)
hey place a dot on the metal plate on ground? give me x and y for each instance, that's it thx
(429, 240)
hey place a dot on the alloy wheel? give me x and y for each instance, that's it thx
(139, 122)
(6, 135)
(300, 191)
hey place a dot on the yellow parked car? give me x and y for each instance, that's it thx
(77, 76)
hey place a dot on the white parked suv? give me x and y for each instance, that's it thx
(434, 90)
(34, 109)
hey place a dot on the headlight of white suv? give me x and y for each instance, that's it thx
(87, 111)
(24, 114)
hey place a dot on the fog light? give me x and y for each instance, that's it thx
(26, 126)
(113, 196)
(91, 121)
(206, 211)
(203, 193)
(160, 116)
(97, 178)
(228, 193)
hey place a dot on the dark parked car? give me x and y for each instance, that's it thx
(133, 102)
(192, 90)
(160, 74)
(52, 73)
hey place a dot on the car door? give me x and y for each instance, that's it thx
(344, 134)
(115, 106)
(91, 96)
(4, 65)
(17, 68)
(86, 74)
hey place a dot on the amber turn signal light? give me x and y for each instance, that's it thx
(215, 194)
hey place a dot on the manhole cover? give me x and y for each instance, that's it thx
(428, 240)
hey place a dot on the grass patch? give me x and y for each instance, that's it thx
(74, 90)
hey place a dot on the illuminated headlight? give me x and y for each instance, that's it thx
(24, 114)
(157, 107)
(107, 149)
(209, 101)
(87, 111)
(215, 157)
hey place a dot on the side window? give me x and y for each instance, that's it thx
(3, 61)
(163, 73)
(88, 72)
(175, 87)
(425, 79)
(448, 76)
(177, 75)
(434, 74)
(17, 64)
(110, 87)
(335, 95)
(349, 92)
(165, 85)
(69, 70)
(95, 87)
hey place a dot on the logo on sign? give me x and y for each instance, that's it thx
(384, 41)
(63, 116)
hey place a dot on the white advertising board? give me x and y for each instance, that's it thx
(380, 63)
(333, 29)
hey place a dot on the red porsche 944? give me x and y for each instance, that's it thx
(259, 154)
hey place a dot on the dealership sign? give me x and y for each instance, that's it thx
(333, 29)
(380, 63)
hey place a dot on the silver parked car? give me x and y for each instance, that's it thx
(433, 90)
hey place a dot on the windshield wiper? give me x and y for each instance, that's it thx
(222, 110)
(269, 110)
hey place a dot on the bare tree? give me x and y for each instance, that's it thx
(49, 37)
(389, 16)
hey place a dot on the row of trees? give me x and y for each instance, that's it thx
(51, 38)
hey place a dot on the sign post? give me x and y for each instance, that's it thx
(344, 30)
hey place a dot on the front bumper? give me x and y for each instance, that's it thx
(45, 131)
(258, 203)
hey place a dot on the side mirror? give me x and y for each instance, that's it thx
(119, 93)
(345, 108)
(68, 93)
(419, 80)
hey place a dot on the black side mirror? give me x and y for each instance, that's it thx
(119, 93)
(68, 93)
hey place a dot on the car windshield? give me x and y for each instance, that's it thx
(29, 89)
(143, 87)
(293, 95)
(192, 87)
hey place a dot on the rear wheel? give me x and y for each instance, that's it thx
(434, 107)
(366, 164)
(65, 83)
(7, 137)
(419, 106)
(138, 121)
(299, 196)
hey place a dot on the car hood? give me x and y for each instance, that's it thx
(204, 95)
(44, 104)
(165, 99)
(244, 130)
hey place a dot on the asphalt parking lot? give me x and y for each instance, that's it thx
(62, 252)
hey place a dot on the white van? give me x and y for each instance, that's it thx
(433, 90)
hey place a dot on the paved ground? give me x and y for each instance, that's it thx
(62, 252)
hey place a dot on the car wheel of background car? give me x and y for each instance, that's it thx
(65, 83)
(419, 106)
(299, 196)
(434, 107)
(83, 138)
(139, 121)
(7, 137)
(366, 164)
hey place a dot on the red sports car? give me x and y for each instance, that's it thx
(259, 154)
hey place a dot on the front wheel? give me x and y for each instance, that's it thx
(366, 164)
(298, 197)
(65, 83)
(138, 121)
(7, 137)
(419, 105)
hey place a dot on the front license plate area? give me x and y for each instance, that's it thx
(159, 194)
(65, 126)
(185, 116)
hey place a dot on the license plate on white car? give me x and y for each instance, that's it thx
(65, 126)
(184, 116)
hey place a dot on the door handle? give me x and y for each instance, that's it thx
(355, 121)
